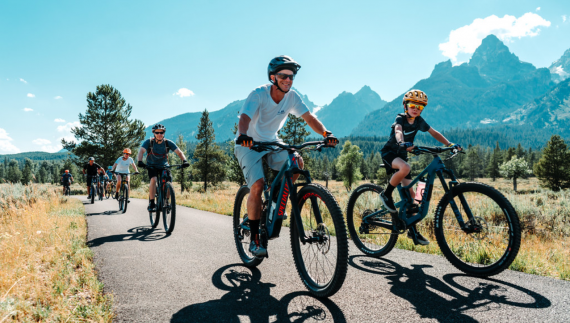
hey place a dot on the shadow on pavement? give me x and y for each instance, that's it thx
(143, 233)
(250, 298)
(436, 299)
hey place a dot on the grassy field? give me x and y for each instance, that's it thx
(46, 268)
(544, 216)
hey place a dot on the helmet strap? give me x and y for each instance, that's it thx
(277, 85)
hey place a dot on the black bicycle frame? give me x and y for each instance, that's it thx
(283, 188)
(435, 168)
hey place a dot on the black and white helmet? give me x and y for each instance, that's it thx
(158, 126)
(91, 158)
(282, 62)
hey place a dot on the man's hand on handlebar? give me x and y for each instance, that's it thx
(244, 140)
(141, 164)
(330, 139)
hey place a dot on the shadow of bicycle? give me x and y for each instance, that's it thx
(250, 299)
(142, 233)
(448, 300)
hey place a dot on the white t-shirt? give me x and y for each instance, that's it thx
(267, 117)
(123, 165)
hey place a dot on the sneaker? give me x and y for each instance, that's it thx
(257, 249)
(388, 202)
(151, 207)
(419, 239)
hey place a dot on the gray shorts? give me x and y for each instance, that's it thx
(252, 166)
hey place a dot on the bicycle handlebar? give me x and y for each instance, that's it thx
(163, 167)
(418, 150)
(269, 145)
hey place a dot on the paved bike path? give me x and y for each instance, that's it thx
(194, 275)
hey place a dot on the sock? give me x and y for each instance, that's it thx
(254, 228)
(151, 202)
(389, 190)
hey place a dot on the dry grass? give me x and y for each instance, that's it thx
(544, 215)
(46, 269)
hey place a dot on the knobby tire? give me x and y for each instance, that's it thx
(241, 236)
(169, 209)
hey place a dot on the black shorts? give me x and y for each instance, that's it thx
(389, 156)
(65, 184)
(154, 173)
(89, 180)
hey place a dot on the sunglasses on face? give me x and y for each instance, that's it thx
(283, 76)
(415, 106)
(159, 133)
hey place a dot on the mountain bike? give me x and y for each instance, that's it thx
(476, 227)
(319, 240)
(66, 190)
(124, 190)
(165, 199)
(100, 191)
(93, 190)
(110, 189)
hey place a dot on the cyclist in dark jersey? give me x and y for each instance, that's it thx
(401, 141)
(66, 180)
(91, 169)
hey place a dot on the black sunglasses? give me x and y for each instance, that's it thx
(283, 76)
(159, 133)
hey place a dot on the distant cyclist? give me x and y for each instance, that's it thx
(103, 178)
(66, 180)
(262, 115)
(401, 141)
(122, 166)
(91, 169)
(157, 156)
(111, 176)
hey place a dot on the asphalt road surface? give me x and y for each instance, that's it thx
(194, 275)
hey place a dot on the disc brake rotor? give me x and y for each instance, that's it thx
(480, 228)
(325, 242)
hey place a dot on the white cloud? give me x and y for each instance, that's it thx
(67, 127)
(183, 92)
(538, 9)
(59, 120)
(58, 97)
(30, 95)
(28, 109)
(6, 146)
(24, 81)
(46, 145)
(41, 141)
(466, 39)
(564, 18)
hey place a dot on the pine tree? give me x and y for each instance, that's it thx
(519, 152)
(209, 167)
(515, 168)
(494, 162)
(348, 164)
(509, 154)
(14, 175)
(27, 172)
(105, 128)
(553, 169)
(235, 174)
(179, 174)
(295, 133)
(472, 164)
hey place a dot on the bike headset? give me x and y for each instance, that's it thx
(279, 63)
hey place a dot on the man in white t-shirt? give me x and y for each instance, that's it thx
(262, 115)
(122, 166)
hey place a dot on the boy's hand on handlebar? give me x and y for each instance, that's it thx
(141, 164)
(455, 146)
(407, 145)
(185, 164)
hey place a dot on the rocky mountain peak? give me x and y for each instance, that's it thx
(560, 69)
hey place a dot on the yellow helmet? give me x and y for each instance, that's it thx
(416, 96)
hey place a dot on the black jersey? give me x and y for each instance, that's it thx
(66, 178)
(91, 169)
(409, 130)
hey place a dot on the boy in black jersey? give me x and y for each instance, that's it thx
(395, 152)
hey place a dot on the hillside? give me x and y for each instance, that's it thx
(36, 155)
(477, 94)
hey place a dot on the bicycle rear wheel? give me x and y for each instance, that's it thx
(100, 192)
(323, 262)
(169, 208)
(108, 191)
(372, 240)
(125, 197)
(120, 199)
(494, 238)
(242, 235)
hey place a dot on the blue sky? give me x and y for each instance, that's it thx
(53, 53)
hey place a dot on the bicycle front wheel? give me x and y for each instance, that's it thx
(169, 209)
(93, 193)
(125, 197)
(154, 216)
(107, 192)
(372, 240)
(322, 262)
(242, 236)
(492, 237)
